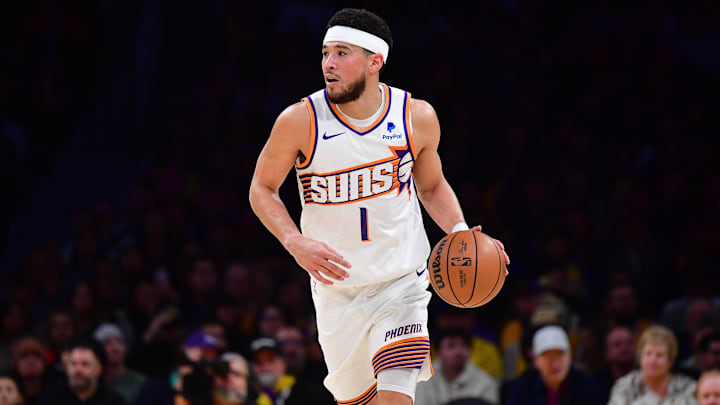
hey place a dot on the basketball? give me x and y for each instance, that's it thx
(467, 269)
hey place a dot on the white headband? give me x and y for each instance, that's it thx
(357, 37)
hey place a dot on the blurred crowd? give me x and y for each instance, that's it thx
(579, 134)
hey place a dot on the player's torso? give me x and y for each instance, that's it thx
(356, 186)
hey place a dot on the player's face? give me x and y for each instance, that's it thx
(344, 69)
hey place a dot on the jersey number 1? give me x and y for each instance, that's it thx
(364, 225)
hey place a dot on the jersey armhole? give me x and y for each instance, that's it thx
(407, 122)
(313, 135)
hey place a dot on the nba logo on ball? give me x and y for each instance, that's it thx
(468, 269)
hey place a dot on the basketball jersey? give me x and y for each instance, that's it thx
(357, 192)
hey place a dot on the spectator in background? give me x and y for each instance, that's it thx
(484, 353)
(294, 347)
(46, 281)
(198, 304)
(238, 288)
(84, 378)
(276, 385)
(236, 388)
(554, 380)
(157, 353)
(228, 315)
(619, 359)
(654, 383)
(82, 306)
(456, 376)
(270, 321)
(60, 332)
(30, 366)
(200, 345)
(144, 307)
(14, 321)
(87, 251)
(119, 377)
(9, 391)
(621, 307)
(216, 330)
(524, 302)
(708, 388)
(701, 358)
(710, 345)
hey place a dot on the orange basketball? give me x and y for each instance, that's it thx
(467, 269)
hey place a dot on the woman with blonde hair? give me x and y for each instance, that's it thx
(653, 383)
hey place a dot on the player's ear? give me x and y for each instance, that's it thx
(375, 62)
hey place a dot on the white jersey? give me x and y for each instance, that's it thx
(357, 190)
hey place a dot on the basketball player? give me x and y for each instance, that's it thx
(364, 152)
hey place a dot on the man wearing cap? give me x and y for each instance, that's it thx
(199, 345)
(119, 377)
(553, 381)
(278, 387)
(365, 155)
(85, 366)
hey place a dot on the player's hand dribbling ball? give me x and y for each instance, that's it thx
(467, 269)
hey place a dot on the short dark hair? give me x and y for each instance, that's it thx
(363, 20)
(89, 343)
(704, 344)
(461, 333)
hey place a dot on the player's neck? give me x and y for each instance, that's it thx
(366, 105)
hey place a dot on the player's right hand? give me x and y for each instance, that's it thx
(318, 259)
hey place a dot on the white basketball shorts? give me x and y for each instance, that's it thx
(363, 330)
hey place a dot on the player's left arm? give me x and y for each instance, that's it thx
(435, 193)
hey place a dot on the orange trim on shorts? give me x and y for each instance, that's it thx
(406, 353)
(313, 134)
(361, 399)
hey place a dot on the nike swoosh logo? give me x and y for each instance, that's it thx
(419, 273)
(326, 136)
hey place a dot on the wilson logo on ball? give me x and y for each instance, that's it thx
(435, 265)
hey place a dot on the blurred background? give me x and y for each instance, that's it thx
(581, 134)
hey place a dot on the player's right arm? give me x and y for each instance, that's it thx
(288, 139)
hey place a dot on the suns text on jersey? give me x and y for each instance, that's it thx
(350, 185)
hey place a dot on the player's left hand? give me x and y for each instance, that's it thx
(478, 228)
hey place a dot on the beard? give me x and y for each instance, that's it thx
(230, 396)
(266, 379)
(351, 93)
(81, 383)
